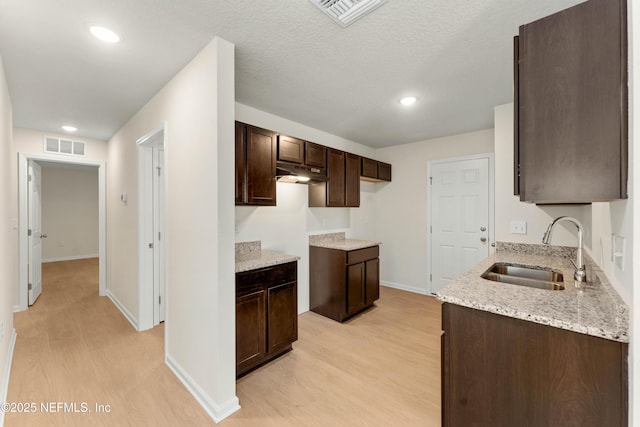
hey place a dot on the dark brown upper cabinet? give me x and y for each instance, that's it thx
(375, 171)
(571, 137)
(255, 166)
(335, 178)
(290, 149)
(352, 180)
(315, 155)
(342, 188)
(294, 150)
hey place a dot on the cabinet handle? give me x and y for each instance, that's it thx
(483, 228)
(483, 239)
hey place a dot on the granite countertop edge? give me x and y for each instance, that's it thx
(593, 309)
(266, 259)
(347, 244)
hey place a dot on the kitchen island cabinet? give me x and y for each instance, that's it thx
(266, 314)
(343, 282)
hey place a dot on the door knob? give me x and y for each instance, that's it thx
(43, 236)
(483, 239)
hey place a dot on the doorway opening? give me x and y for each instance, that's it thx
(152, 228)
(460, 208)
(31, 233)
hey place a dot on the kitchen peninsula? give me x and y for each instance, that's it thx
(516, 355)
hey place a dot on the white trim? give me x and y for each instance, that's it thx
(70, 258)
(217, 412)
(4, 388)
(491, 183)
(17, 309)
(23, 158)
(402, 287)
(147, 307)
(126, 313)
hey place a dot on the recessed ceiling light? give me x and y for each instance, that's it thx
(69, 128)
(104, 34)
(409, 100)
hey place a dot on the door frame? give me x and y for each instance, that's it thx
(23, 243)
(491, 204)
(147, 262)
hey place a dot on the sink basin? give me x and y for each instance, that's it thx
(522, 275)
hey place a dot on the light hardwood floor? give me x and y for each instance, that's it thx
(381, 368)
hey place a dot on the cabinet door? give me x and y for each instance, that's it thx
(355, 288)
(572, 95)
(282, 307)
(241, 132)
(352, 180)
(372, 280)
(250, 330)
(384, 171)
(290, 149)
(261, 167)
(315, 155)
(335, 177)
(369, 168)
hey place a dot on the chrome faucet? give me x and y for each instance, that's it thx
(580, 275)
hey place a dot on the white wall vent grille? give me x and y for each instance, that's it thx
(64, 146)
(346, 12)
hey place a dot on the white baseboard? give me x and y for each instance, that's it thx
(17, 309)
(127, 314)
(70, 258)
(216, 411)
(404, 287)
(4, 387)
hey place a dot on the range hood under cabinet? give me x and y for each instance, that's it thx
(300, 161)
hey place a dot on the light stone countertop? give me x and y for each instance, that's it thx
(250, 256)
(338, 241)
(594, 308)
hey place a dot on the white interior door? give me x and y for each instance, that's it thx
(459, 218)
(159, 254)
(34, 208)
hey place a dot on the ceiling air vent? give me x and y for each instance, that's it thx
(63, 146)
(346, 12)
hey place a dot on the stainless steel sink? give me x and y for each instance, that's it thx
(523, 275)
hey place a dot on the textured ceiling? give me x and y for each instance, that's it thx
(291, 60)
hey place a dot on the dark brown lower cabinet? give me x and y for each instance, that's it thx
(501, 371)
(266, 314)
(343, 283)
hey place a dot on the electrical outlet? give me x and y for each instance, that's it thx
(518, 227)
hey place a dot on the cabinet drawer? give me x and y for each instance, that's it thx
(249, 281)
(361, 255)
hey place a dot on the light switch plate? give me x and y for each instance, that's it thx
(518, 227)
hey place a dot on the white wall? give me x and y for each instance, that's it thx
(286, 226)
(8, 236)
(69, 212)
(509, 207)
(401, 205)
(197, 106)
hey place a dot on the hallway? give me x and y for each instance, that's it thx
(76, 348)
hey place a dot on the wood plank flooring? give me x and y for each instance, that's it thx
(382, 368)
